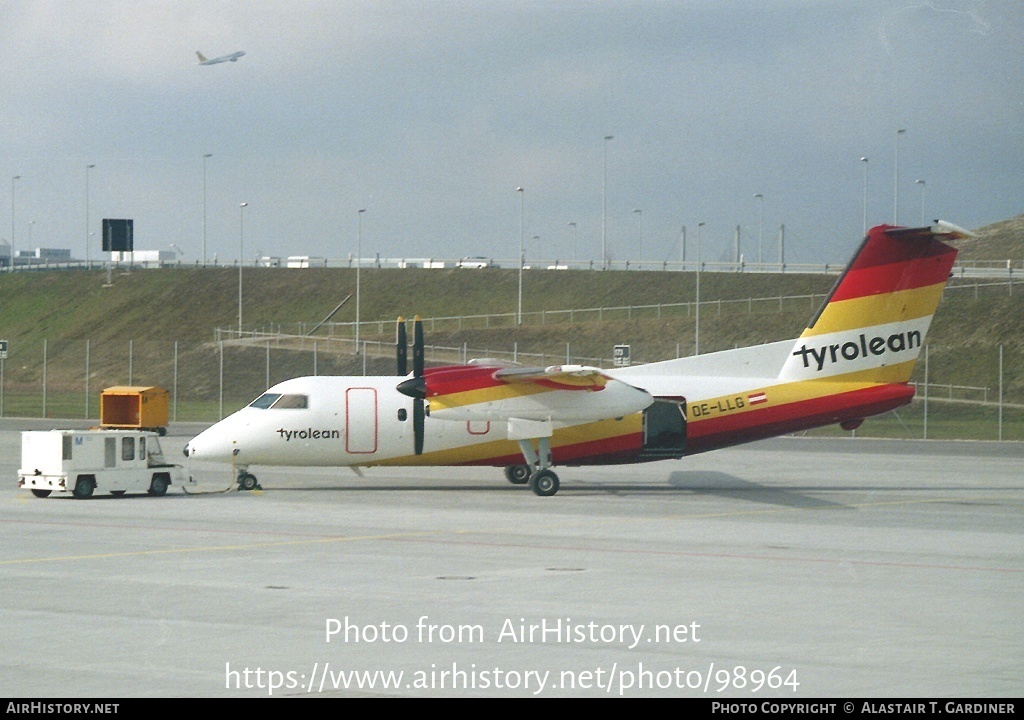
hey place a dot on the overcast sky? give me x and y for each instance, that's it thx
(430, 114)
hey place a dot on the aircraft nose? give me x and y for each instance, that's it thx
(211, 444)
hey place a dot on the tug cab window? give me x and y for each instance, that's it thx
(128, 448)
(278, 402)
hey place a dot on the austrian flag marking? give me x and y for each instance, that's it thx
(757, 398)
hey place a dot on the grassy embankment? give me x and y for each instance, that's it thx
(128, 331)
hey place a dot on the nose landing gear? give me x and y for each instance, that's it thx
(247, 481)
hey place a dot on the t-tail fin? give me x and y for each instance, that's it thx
(873, 324)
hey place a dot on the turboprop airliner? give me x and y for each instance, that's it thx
(853, 360)
(233, 57)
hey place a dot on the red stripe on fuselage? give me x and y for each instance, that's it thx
(725, 431)
(714, 433)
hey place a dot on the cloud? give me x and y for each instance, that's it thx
(431, 113)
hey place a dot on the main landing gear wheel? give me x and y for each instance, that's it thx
(544, 483)
(247, 481)
(517, 474)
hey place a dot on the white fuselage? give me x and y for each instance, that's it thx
(337, 421)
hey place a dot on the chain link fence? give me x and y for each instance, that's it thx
(983, 400)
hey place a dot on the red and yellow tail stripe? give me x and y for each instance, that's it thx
(897, 275)
(857, 355)
(880, 310)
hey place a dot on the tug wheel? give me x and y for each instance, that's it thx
(84, 487)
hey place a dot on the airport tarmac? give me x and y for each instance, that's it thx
(788, 569)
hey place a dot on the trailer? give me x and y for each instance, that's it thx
(85, 462)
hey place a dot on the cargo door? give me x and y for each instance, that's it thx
(664, 431)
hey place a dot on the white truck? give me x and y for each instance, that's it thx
(84, 462)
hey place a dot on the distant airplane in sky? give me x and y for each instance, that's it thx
(233, 57)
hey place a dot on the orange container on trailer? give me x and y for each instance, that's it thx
(135, 407)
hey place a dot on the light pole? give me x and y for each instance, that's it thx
(922, 183)
(760, 226)
(696, 331)
(865, 161)
(640, 224)
(522, 220)
(604, 206)
(16, 177)
(896, 183)
(87, 255)
(573, 236)
(241, 237)
(359, 255)
(205, 158)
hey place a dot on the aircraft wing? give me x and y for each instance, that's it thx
(559, 377)
(548, 393)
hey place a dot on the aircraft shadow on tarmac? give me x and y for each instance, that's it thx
(676, 484)
(720, 484)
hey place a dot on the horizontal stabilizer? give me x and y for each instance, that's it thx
(941, 228)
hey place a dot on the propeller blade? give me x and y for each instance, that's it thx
(401, 347)
(417, 347)
(417, 425)
(416, 386)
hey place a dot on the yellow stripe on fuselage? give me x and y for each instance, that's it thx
(478, 452)
(877, 310)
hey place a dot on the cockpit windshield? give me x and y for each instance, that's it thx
(278, 401)
(264, 401)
